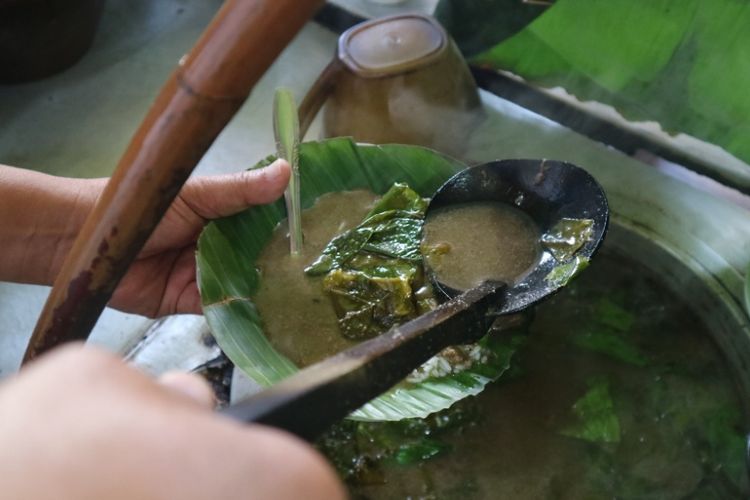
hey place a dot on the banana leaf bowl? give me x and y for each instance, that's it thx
(228, 278)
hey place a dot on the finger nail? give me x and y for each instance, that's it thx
(278, 171)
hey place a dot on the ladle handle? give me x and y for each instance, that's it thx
(307, 403)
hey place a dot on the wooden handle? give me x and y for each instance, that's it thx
(329, 390)
(195, 104)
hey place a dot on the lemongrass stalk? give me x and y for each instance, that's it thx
(286, 131)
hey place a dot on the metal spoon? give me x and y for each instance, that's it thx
(307, 403)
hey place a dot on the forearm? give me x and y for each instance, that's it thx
(40, 216)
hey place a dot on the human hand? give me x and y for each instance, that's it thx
(161, 280)
(41, 215)
(80, 424)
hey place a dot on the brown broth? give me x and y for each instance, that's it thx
(466, 244)
(298, 318)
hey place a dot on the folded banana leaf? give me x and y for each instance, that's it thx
(227, 277)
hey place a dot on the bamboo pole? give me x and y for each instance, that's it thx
(195, 104)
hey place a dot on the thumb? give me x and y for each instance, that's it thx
(223, 195)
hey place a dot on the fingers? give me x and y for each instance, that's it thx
(224, 195)
(191, 385)
(133, 438)
(288, 468)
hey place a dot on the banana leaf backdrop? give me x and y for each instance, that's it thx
(227, 277)
(682, 63)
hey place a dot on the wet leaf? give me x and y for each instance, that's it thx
(567, 237)
(420, 451)
(609, 313)
(359, 449)
(562, 274)
(397, 237)
(595, 416)
(608, 334)
(392, 228)
(611, 344)
(373, 269)
(399, 197)
(727, 444)
(339, 250)
(368, 305)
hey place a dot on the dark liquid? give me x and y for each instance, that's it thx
(679, 416)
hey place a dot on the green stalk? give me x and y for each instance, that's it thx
(286, 131)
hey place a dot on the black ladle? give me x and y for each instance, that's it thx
(309, 402)
(548, 191)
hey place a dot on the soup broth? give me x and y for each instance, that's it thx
(618, 392)
(466, 244)
(297, 317)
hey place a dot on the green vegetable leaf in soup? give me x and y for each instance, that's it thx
(415, 452)
(340, 249)
(595, 417)
(368, 305)
(567, 237)
(372, 272)
(392, 228)
(397, 237)
(399, 197)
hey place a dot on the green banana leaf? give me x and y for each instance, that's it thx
(682, 63)
(227, 277)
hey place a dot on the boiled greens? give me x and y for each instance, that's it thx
(375, 269)
(595, 417)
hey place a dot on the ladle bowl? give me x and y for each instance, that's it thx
(310, 401)
(546, 190)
